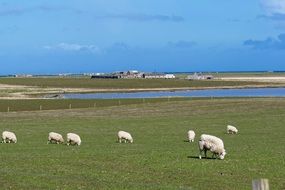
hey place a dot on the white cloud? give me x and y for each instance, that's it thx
(273, 6)
(74, 47)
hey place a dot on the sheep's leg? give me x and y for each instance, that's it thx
(200, 155)
(120, 140)
(205, 152)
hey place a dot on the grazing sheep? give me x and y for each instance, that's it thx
(122, 135)
(213, 144)
(54, 138)
(191, 135)
(73, 139)
(9, 137)
(231, 129)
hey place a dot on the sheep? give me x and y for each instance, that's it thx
(73, 139)
(9, 137)
(122, 135)
(55, 138)
(213, 144)
(231, 129)
(191, 135)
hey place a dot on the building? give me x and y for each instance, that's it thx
(132, 74)
(199, 76)
(158, 76)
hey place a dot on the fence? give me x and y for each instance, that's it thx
(55, 104)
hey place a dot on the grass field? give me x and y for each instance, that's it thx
(55, 104)
(119, 83)
(159, 158)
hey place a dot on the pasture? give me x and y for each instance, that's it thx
(82, 82)
(159, 158)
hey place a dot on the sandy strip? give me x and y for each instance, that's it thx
(257, 79)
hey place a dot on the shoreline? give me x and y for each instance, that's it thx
(30, 92)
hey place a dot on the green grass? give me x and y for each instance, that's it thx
(159, 158)
(55, 104)
(119, 83)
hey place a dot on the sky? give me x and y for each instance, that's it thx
(75, 36)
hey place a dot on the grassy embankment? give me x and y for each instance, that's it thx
(55, 104)
(159, 157)
(121, 83)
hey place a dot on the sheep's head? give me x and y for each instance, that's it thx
(222, 155)
(131, 140)
(61, 140)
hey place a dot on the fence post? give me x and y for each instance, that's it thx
(69, 106)
(40, 107)
(119, 102)
(8, 109)
(94, 105)
(260, 184)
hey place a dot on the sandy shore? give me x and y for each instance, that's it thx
(257, 79)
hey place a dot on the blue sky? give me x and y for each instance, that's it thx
(72, 36)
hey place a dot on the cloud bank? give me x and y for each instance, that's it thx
(142, 17)
(273, 6)
(74, 47)
(182, 44)
(269, 43)
(274, 10)
(6, 10)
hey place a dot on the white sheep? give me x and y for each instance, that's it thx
(55, 138)
(122, 135)
(9, 137)
(213, 144)
(231, 129)
(73, 139)
(191, 135)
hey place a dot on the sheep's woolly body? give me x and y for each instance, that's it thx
(213, 144)
(55, 137)
(123, 135)
(73, 139)
(9, 137)
(231, 129)
(191, 135)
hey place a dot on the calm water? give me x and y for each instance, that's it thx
(250, 92)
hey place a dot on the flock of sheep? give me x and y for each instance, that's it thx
(71, 138)
(206, 142)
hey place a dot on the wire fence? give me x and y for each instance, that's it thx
(56, 104)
